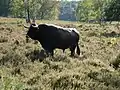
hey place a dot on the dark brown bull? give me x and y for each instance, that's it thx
(51, 37)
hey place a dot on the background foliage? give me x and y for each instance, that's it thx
(40, 9)
(83, 10)
(112, 12)
(89, 10)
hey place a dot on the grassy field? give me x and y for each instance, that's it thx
(22, 66)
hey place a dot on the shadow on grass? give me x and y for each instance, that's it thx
(36, 55)
(111, 34)
(41, 55)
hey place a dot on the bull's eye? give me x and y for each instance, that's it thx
(27, 36)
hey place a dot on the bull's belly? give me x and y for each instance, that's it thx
(59, 45)
(63, 46)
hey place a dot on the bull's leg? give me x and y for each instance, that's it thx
(72, 49)
(50, 52)
(63, 50)
(47, 53)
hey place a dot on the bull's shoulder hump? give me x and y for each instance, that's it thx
(54, 26)
(59, 27)
(75, 30)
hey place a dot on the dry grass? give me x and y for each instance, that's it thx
(23, 66)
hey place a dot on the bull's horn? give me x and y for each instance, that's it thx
(26, 26)
(35, 26)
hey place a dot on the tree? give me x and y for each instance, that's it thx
(112, 11)
(91, 10)
(40, 9)
(47, 9)
(4, 7)
(17, 8)
(83, 9)
(68, 10)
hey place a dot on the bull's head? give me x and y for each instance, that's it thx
(32, 30)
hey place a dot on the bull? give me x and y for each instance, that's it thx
(52, 36)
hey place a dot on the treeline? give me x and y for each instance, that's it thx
(98, 10)
(84, 10)
(40, 9)
(68, 10)
(4, 7)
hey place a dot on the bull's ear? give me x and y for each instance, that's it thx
(33, 21)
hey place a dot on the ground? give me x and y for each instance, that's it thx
(23, 67)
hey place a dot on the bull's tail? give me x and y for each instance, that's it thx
(78, 49)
